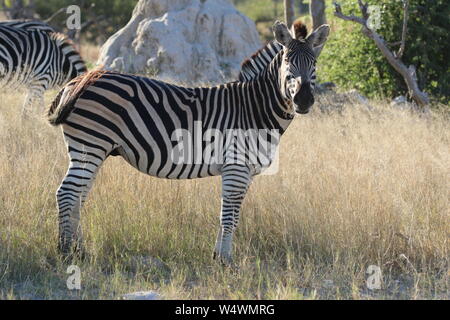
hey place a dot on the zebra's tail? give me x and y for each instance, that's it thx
(64, 103)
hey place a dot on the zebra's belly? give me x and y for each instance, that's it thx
(169, 168)
(165, 163)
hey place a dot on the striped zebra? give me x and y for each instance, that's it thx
(34, 56)
(112, 114)
(259, 61)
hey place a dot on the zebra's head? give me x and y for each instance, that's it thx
(297, 73)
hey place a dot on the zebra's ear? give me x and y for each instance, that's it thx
(318, 38)
(281, 33)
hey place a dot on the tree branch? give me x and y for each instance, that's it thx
(363, 7)
(408, 74)
(53, 16)
(289, 12)
(405, 29)
(338, 13)
(392, 44)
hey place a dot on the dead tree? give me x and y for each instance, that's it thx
(289, 15)
(394, 58)
(317, 11)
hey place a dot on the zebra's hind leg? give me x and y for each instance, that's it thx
(235, 182)
(72, 193)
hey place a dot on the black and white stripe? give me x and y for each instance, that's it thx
(104, 114)
(33, 56)
(28, 25)
(259, 61)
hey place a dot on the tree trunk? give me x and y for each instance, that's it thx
(302, 7)
(289, 12)
(317, 10)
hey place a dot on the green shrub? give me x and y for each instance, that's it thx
(352, 60)
(108, 15)
(260, 10)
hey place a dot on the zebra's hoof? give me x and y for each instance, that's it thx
(215, 255)
(224, 260)
(75, 253)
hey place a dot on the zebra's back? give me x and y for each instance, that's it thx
(25, 55)
(28, 25)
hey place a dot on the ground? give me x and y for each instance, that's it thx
(355, 188)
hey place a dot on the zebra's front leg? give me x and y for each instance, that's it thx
(235, 182)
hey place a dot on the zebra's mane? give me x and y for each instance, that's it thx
(259, 61)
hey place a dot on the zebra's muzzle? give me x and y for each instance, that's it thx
(303, 104)
(303, 101)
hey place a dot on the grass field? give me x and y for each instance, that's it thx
(355, 188)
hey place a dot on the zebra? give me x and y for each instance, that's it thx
(34, 56)
(106, 114)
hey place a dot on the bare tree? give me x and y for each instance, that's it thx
(317, 11)
(394, 58)
(289, 12)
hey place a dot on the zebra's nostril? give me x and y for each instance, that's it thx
(297, 100)
(304, 101)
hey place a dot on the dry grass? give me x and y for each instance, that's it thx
(90, 53)
(355, 188)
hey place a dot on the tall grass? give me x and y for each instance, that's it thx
(355, 188)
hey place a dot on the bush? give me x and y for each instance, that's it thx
(350, 59)
(260, 10)
(110, 15)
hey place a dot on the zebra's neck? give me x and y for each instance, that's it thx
(258, 62)
(255, 104)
